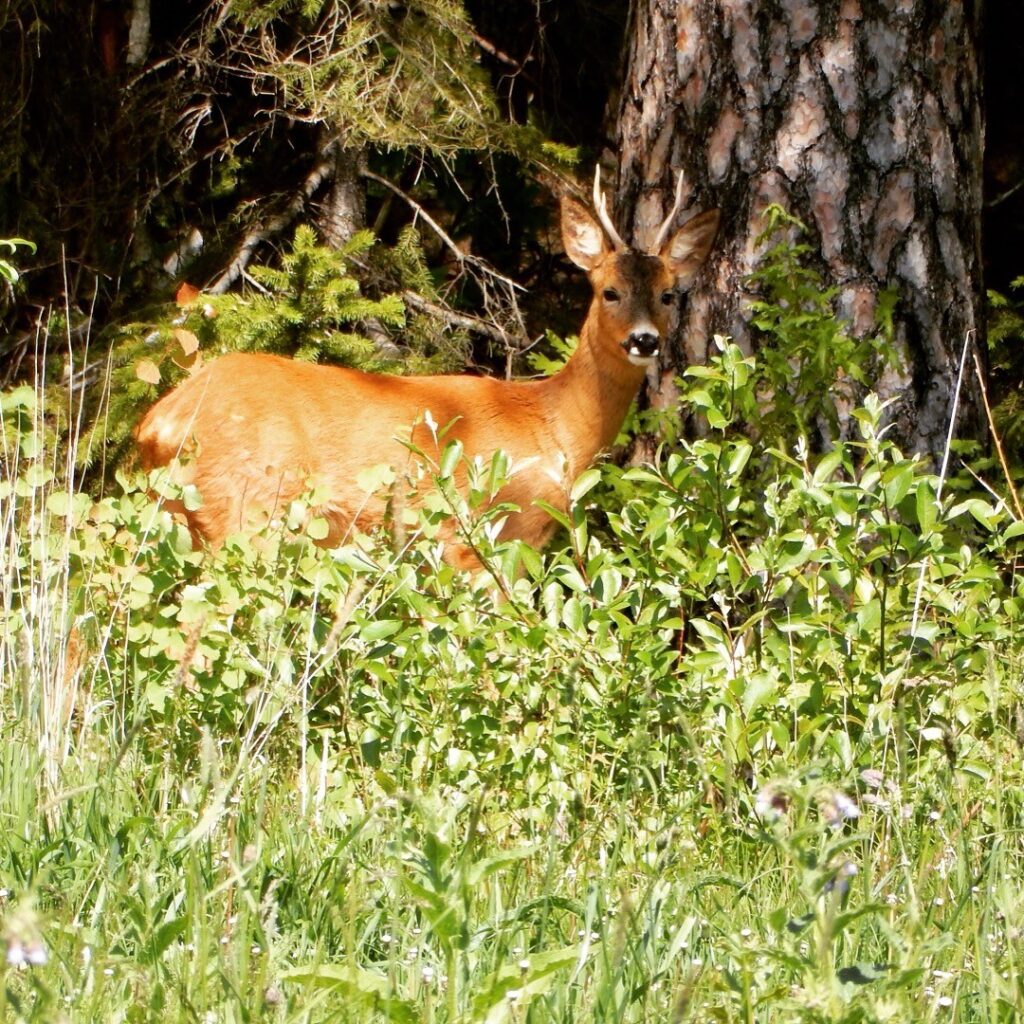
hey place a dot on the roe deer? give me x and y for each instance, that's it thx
(256, 431)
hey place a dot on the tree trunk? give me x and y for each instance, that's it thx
(860, 117)
(343, 212)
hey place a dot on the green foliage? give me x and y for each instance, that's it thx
(809, 357)
(303, 307)
(229, 132)
(398, 77)
(1005, 333)
(553, 357)
(8, 272)
(434, 344)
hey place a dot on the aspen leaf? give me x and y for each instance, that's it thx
(146, 370)
(187, 340)
(318, 528)
(186, 294)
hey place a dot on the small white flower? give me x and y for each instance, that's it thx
(524, 965)
(513, 994)
(35, 953)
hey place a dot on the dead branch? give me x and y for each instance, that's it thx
(321, 173)
(463, 320)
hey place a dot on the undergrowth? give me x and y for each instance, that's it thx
(744, 747)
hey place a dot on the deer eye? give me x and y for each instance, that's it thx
(611, 295)
(667, 298)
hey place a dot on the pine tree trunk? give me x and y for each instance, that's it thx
(862, 118)
(343, 211)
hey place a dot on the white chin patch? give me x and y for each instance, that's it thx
(634, 355)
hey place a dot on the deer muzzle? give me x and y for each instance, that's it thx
(642, 345)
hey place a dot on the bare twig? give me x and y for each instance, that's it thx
(995, 437)
(420, 212)
(488, 47)
(463, 320)
(489, 280)
(1003, 196)
(321, 173)
(942, 478)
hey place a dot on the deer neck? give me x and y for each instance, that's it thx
(588, 400)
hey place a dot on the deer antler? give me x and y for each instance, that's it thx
(659, 238)
(601, 206)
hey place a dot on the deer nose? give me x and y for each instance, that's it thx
(642, 344)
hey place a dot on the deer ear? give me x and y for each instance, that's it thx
(582, 236)
(688, 248)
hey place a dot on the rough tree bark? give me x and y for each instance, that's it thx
(861, 117)
(343, 211)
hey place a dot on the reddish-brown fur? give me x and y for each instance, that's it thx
(254, 432)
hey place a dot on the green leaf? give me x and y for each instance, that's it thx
(450, 458)
(927, 507)
(379, 629)
(318, 528)
(1013, 531)
(896, 483)
(508, 993)
(559, 517)
(482, 869)
(827, 466)
(162, 938)
(356, 987)
(532, 561)
(585, 483)
(739, 458)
